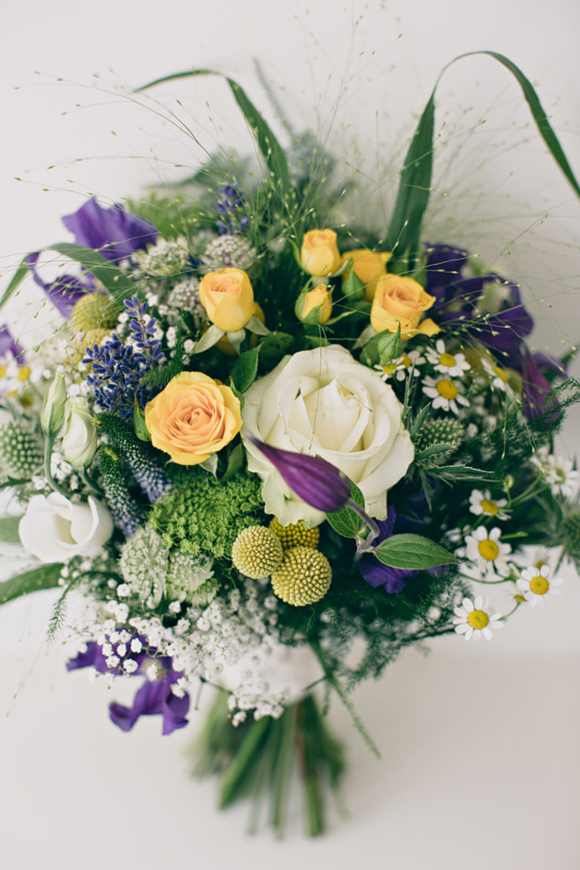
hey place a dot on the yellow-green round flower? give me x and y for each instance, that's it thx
(257, 552)
(295, 534)
(303, 577)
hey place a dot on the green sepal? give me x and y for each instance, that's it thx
(141, 430)
(412, 553)
(235, 462)
(389, 345)
(352, 286)
(245, 369)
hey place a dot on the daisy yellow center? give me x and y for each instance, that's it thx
(447, 389)
(489, 507)
(488, 549)
(3, 371)
(405, 359)
(447, 359)
(500, 373)
(478, 619)
(389, 368)
(539, 585)
(23, 373)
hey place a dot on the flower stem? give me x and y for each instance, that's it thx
(48, 442)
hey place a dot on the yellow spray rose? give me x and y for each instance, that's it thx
(368, 266)
(193, 417)
(320, 255)
(400, 300)
(318, 296)
(228, 298)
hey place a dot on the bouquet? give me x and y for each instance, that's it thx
(261, 435)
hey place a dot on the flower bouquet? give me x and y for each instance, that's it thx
(268, 451)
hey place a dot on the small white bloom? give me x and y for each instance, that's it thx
(54, 529)
(482, 503)
(498, 375)
(445, 394)
(402, 366)
(537, 585)
(559, 473)
(453, 365)
(476, 619)
(488, 553)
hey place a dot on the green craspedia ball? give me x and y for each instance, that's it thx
(304, 577)
(257, 552)
(20, 451)
(435, 433)
(295, 534)
(94, 311)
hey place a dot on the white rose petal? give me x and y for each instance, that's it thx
(323, 402)
(54, 529)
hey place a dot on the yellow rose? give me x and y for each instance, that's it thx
(320, 255)
(399, 300)
(368, 266)
(223, 344)
(319, 296)
(228, 298)
(192, 418)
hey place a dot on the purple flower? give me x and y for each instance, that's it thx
(113, 232)
(374, 572)
(444, 267)
(535, 387)
(8, 345)
(65, 292)
(313, 479)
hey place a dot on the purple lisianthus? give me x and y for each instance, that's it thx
(8, 345)
(313, 479)
(535, 386)
(443, 268)
(374, 572)
(113, 232)
(65, 291)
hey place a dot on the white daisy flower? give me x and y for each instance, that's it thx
(402, 366)
(476, 619)
(445, 393)
(561, 476)
(488, 553)
(482, 503)
(450, 364)
(498, 375)
(537, 585)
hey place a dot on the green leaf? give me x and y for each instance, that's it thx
(267, 142)
(43, 577)
(235, 462)
(9, 530)
(412, 553)
(17, 278)
(116, 282)
(141, 430)
(419, 420)
(389, 345)
(245, 370)
(433, 451)
(12, 481)
(451, 473)
(369, 355)
(352, 286)
(346, 521)
(274, 347)
(210, 464)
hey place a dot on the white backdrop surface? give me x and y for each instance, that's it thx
(481, 766)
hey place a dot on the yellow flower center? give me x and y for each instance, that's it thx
(23, 373)
(488, 549)
(478, 619)
(405, 359)
(447, 359)
(500, 373)
(539, 585)
(489, 507)
(389, 368)
(3, 371)
(447, 389)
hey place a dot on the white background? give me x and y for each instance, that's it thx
(480, 742)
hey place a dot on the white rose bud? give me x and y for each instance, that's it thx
(52, 414)
(79, 442)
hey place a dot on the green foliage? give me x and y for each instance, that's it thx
(346, 521)
(245, 369)
(412, 553)
(42, 577)
(9, 530)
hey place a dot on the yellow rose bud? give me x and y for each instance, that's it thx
(319, 298)
(368, 267)
(193, 417)
(400, 300)
(223, 344)
(320, 255)
(228, 298)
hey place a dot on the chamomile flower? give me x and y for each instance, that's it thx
(486, 550)
(450, 364)
(445, 393)
(482, 503)
(402, 366)
(499, 377)
(537, 584)
(476, 619)
(561, 475)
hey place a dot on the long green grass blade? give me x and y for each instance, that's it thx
(18, 276)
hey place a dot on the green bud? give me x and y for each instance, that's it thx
(52, 414)
(390, 345)
(352, 286)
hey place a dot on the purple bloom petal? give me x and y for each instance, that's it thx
(377, 574)
(115, 233)
(313, 479)
(152, 699)
(65, 292)
(8, 345)
(444, 267)
(535, 388)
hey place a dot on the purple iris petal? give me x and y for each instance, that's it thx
(92, 657)
(313, 479)
(115, 233)
(65, 292)
(444, 267)
(8, 345)
(535, 387)
(152, 699)
(374, 572)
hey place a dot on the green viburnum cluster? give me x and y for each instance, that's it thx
(204, 516)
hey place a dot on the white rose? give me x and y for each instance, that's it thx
(54, 529)
(79, 441)
(322, 402)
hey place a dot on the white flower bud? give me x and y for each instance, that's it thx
(79, 442)
(52, 414)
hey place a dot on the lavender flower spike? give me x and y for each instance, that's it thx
(313, 479)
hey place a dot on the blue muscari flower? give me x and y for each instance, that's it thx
(232, 199)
